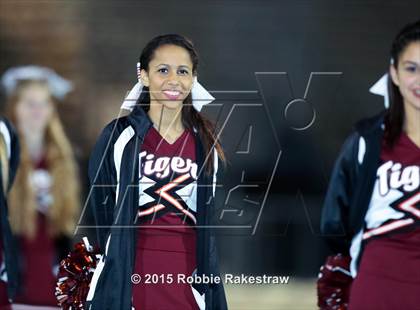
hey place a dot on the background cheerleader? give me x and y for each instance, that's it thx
(163, 157)
(371, 210)
(44, 202)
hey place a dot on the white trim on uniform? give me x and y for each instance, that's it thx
(362, 150)
(355, 248)
(119, 147)
(216, 167)
(199, 299)
(4, 131)
(6, 134)
(3, 271)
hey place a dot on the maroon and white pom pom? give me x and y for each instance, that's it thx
(74, 276)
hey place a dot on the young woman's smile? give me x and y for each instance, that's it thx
(416, 92)
(172, 94)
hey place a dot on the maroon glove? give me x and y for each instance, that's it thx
(334, 282)
(74, 276)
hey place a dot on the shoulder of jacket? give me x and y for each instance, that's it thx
(108, 137)
(363, 131)
(369, 124)
(114, 128)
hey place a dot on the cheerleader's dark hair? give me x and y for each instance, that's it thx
(394, 118)
(191, 118)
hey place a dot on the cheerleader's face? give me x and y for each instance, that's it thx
(34, 108)
(407, 75)
(170, 76)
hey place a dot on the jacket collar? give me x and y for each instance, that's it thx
(370, 125)
(140, 121)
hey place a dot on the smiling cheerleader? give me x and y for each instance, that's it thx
(372, 208)
(157, 167)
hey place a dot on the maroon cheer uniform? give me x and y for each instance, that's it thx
(388, 275)
(38, 254)
(166, 238)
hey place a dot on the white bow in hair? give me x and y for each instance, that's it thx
(200, 96)
(58, 86)
(381, 88)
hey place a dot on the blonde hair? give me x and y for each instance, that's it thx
(62, 213)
